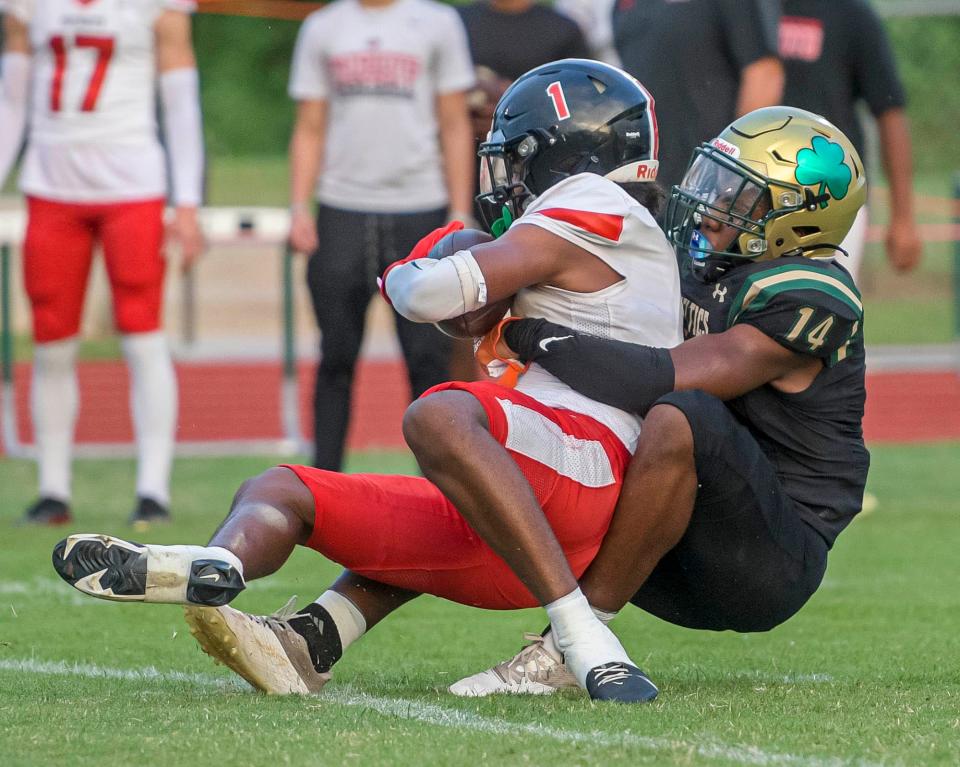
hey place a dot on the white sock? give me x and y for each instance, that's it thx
(582, 638)
(350, 622)
(603, 615)
(153, 403)
(54, 399)
(551, 646)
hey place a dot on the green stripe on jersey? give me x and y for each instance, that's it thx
(759, 289)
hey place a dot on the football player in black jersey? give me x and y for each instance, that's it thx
(751, 458)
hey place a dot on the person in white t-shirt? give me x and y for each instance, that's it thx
(84, 78)
(383, 142)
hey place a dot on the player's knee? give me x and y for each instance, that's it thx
(666, 437)
(432, 423)
(279, 488)
(138, 314)
(52, 322)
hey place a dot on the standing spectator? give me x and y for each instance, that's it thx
(837, 54)
(508, 38)
(383, 137)
(95, 172)
(705, 62)
(595, 18)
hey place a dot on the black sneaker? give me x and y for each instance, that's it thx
(621, 683)
(48, 511)
(149, 512)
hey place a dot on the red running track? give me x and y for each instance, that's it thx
(240, 401)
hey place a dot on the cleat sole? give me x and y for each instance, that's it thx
(253, 653)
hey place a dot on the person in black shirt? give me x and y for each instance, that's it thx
(507, 38)
(836, 54)
(751, 457)
(704, 61)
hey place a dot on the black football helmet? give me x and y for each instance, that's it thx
(559, 119)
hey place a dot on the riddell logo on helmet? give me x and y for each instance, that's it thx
(646, 172)
(726, 147)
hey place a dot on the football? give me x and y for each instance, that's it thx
(476, 323)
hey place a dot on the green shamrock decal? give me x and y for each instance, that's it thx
(824, 165)
(503, 223)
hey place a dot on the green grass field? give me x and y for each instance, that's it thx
(866, 674)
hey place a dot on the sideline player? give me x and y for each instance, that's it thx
(751, 460)
(95, 172)
(571, 160)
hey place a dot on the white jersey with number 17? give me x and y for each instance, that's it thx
(93, 133)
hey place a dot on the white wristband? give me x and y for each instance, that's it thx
(183, 130)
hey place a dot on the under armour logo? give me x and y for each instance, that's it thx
(720, 293)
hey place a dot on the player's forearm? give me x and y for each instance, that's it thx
(183, 129)
(456, 145)
(14, 88)
(306, 156)
(897, 156)
(627, 376)
(761, 85)
(430, 290)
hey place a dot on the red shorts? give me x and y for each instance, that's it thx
(402, 531)
(58, 252)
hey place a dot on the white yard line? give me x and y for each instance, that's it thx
(440, 716)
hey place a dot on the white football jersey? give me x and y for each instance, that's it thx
(643, 308)
(93, 132)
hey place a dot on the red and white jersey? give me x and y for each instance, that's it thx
(644, 307)
(93, 133)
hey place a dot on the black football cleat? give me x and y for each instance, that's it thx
(148, 512)
(47, 511)
(122, 571)
(621, 683)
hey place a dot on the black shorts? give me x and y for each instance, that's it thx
(747, 562)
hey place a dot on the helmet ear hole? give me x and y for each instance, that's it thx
(806, 231)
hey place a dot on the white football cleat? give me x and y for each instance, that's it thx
(532, 671)
(111, 568)
(263, 649)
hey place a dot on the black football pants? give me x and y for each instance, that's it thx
(748, 561)
(354, 249)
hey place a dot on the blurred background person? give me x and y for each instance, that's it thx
(705, 62)
(595, 19)
(383, 141)
(507, 38)
(837, 57)
(95, 173)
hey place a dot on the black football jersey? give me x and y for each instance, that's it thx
(814, 438)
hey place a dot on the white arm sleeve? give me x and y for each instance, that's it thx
(183, 130)
(14, 87)
(430, 290)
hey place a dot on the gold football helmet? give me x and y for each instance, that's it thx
(778, 181)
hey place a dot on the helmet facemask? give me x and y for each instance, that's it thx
(504, 193)
(720, 212)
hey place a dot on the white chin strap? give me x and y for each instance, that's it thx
(635, 172)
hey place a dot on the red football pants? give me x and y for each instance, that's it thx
(59, 250)
(402, 531)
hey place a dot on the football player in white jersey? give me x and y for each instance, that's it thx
(571, 162)
(82, 76)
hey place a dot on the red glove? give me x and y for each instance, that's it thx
(420, 250)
